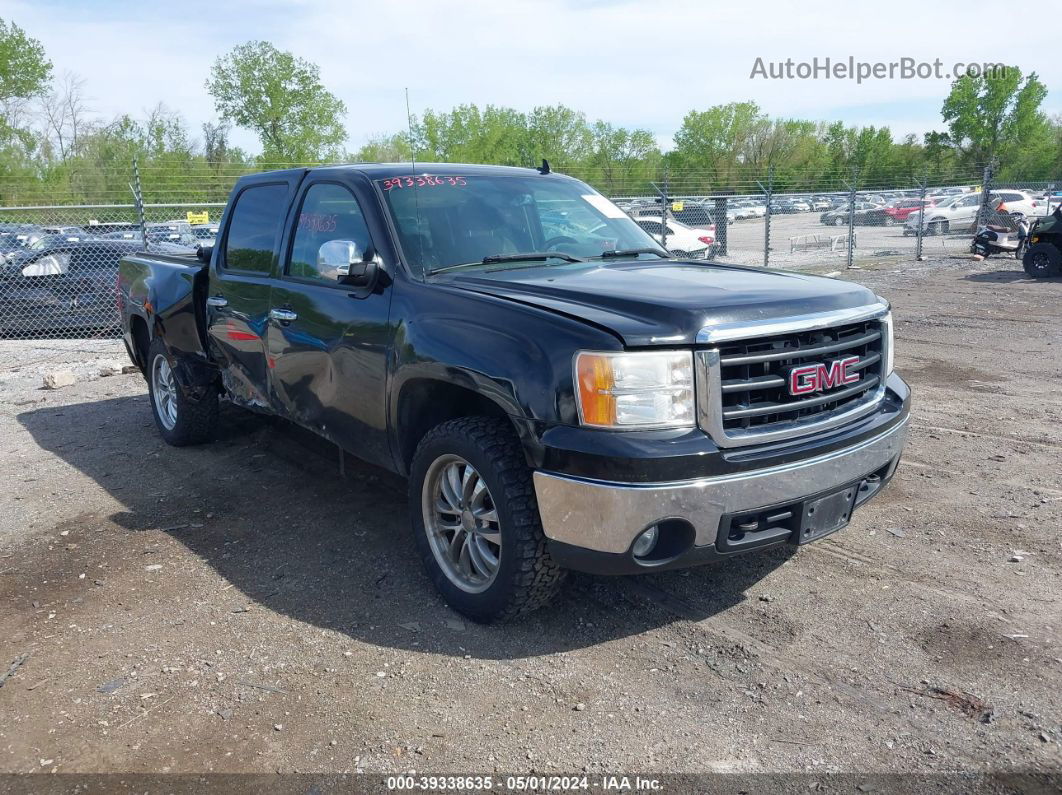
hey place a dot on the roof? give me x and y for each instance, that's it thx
(387, 170)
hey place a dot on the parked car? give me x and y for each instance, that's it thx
(682, 240)
(1018, 203)
(554, 404)
(693, 213)
(205, 234)
(785, 207)
(864, 214)
(14, 237)
(796, 204)
(61, 285)
(744, 210)
(898, 211)
(961, 212)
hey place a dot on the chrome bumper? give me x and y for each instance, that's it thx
(606, 517)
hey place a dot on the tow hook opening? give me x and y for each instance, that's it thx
(662, 541)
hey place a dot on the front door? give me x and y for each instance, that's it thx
(240, 282)
(327, 340)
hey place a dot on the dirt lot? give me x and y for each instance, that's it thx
(241, 607)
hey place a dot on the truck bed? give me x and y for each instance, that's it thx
(167, 290)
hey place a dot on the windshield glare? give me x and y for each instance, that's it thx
(454, 220)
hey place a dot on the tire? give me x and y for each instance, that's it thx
(1042, 261)
(181, 421)
(524, 576)
(838, 221)
(888, 220)
(937, 228)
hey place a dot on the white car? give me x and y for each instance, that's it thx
(682, 240)
(960, 214)
(750, 209)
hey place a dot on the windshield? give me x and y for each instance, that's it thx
(443, 221)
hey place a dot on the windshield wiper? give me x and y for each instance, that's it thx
(634, 252)
(528, 256)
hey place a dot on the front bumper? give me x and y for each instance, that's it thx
(591, 524)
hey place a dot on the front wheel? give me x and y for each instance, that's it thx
(476, 522)
(180, 420)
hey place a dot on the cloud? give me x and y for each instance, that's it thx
(631, 63)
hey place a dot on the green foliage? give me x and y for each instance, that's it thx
(73, 157)
(24, 71)
(281, 98)
(997, 116)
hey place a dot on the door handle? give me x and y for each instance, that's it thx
(217, 300)
(283, 315)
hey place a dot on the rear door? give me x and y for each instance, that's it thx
(241, 273)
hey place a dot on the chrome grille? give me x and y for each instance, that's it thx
(744, 392)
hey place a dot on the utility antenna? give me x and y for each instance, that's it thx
(409, 126)
(413, 173)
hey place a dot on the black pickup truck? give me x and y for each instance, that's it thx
(559, 391)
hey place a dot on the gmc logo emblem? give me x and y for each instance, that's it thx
(809, 378)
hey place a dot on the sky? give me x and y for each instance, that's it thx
(636, 64)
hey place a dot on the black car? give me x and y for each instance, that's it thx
(61, 285)
(865, 214)
(14, 237)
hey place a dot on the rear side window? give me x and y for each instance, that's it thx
(258, 214)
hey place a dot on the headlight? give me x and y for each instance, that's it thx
(635, 390)
(886, 323)
(52, 265)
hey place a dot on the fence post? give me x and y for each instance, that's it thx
(851, 216)
(665, 201)
(922, 216)
(138, 200)
(768, 192)
(986, 187)
(721, 230)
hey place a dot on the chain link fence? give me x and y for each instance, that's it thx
(60, 260)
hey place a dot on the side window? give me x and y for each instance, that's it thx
(328, 212)
(652, 227)
(258, 213)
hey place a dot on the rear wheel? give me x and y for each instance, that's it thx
(938, 228)
(1042, 261)
(476, 522)
(838, 221)
(180, 420)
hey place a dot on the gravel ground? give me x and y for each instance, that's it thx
(242, 607)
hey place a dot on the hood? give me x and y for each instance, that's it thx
(667, 304)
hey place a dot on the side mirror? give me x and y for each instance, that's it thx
(353, 266)
(203, 253)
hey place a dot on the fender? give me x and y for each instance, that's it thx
(517, 356)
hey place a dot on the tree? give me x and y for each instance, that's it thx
(24, 71)
(281, 98)
(384, 149)
(468, 135)
(558, 133)
(714, 141)
(996, 115)
(623, 159)
(65, 114)
(24, 74)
